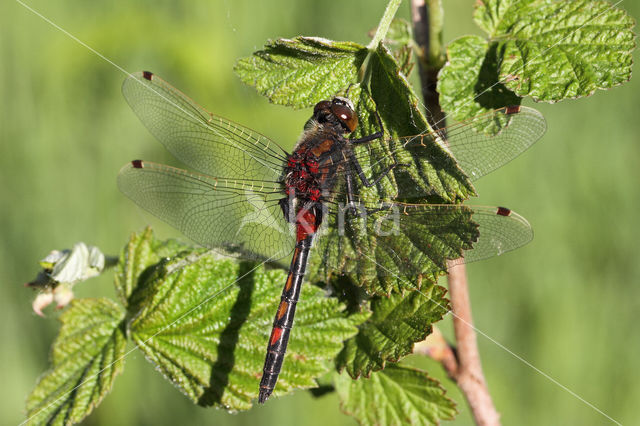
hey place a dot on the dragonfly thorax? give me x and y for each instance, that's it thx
(301, 177)
(311, 170)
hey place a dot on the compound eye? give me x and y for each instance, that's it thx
(322, 105)
(346, 115)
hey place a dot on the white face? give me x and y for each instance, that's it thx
(347, 101)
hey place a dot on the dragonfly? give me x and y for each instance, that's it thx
(249, 197)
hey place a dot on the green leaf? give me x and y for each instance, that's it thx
(432, 169)
(384, 256)
(400, 34)
(566, 49)
(489, 14)
(399, 41)
(135, 257)
(389, 334)
(468, 83)
(302, 71)
(86, 356)
(547, 50)
(205, 322)
(141, 252)
(360, 251)
(395, 395)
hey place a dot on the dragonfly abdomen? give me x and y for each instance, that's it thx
(283, 321)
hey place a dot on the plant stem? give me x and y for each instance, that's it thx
(427, 28)
(436, 347)
(385, 22)
(469, 376)
(467, 372)
(110, 261)
(364, 75)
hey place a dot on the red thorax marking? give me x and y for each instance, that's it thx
(303, 177)
(312, 166)
(314, 194)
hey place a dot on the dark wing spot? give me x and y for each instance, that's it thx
(503, 211)
(147, 75)
(137, 164)
(512, 109)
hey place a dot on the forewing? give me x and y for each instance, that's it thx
(238, 216)
(206, 142)
(479, 146)
(491, 140)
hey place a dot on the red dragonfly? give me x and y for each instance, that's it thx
(250, 197)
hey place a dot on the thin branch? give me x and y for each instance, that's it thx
(435, 346)
(427, 30)
(470, 378)
(467, 371)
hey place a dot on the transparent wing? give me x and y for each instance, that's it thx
(479, 145)
(406, 240)
(238, 215)
(491, 140)
(501, 230)
(206, 142)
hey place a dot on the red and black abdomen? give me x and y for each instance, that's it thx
(310, 173)
(283, 321)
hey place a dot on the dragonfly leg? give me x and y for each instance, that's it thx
(351, 203)
(285, 205)
(372, 137)
(357, 165)
(365, 139)
(365, 181)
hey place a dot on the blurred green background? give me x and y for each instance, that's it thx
(568, 303)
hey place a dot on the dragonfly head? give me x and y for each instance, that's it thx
(339, 110)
